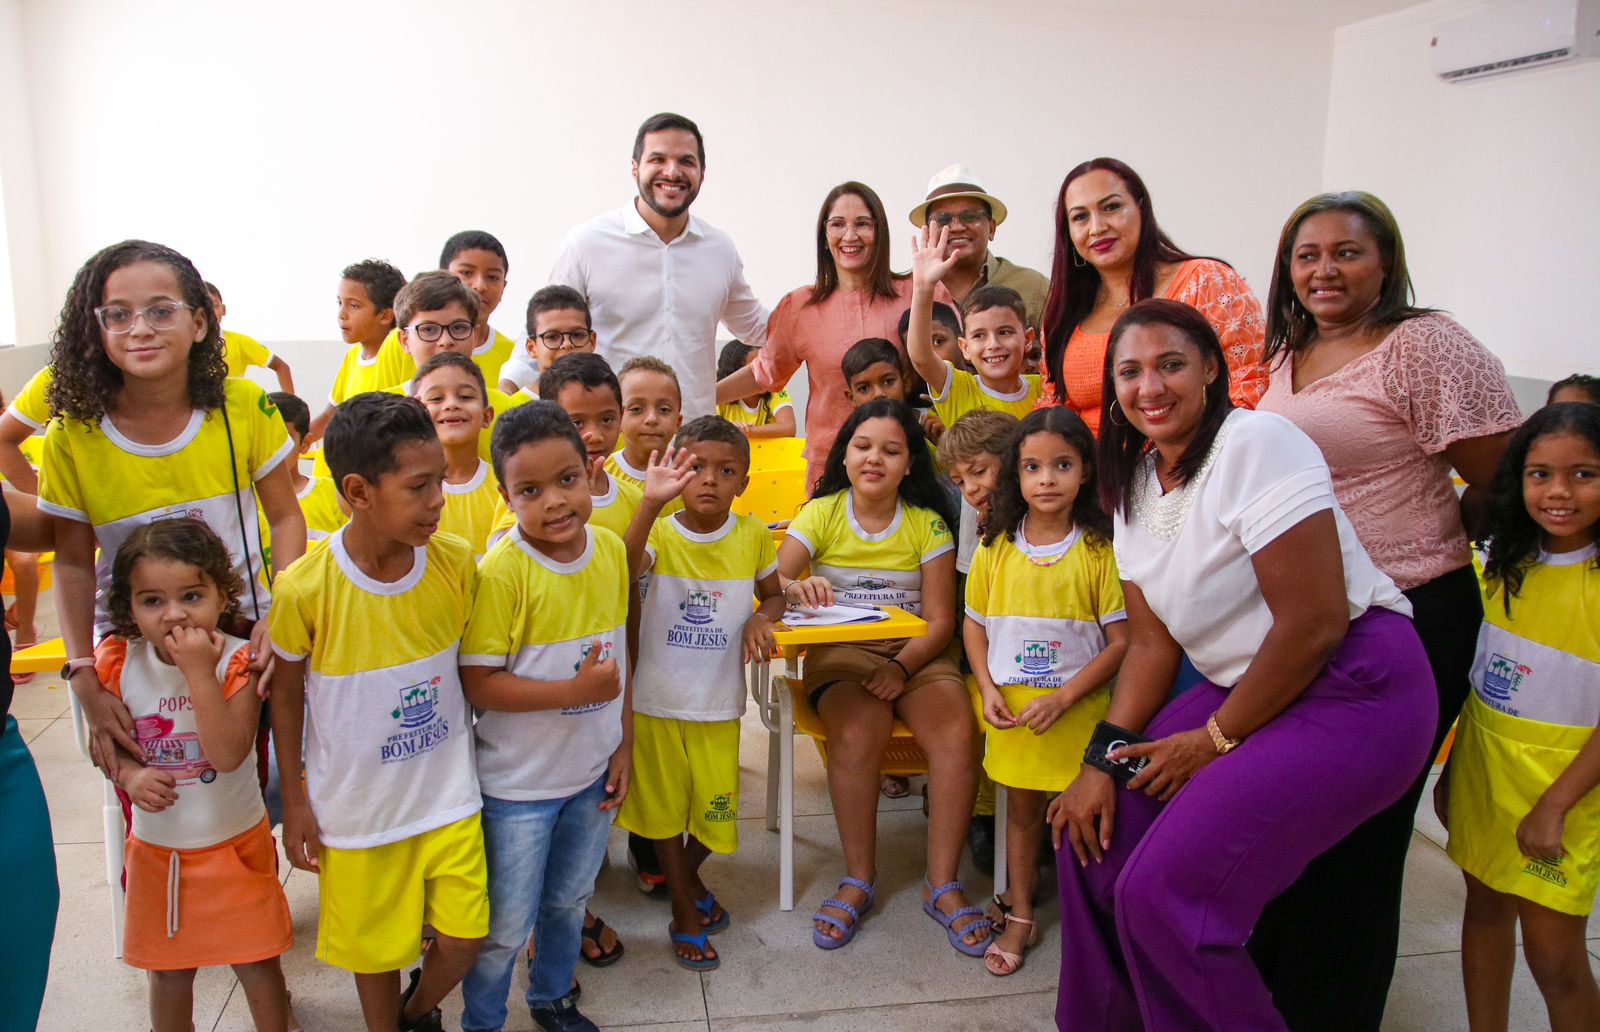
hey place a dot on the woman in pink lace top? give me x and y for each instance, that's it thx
(1109, 254)
(1396, 397)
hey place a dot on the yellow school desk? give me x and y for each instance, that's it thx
(776, 707)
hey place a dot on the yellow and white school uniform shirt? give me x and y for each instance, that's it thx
(762, 414)
(1044, 624)
(964, 392)
(472, 508)
(319, 504)
(95, 475)
(539, 618)
(882, 569)
(1535, 703)
(29, 404)
(621, 469)
(691, 629)
(388, 735)
(359, 375)
(242, 352)
(613, 509)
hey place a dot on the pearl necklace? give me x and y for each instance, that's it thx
(1163, 514)
(1027, 549)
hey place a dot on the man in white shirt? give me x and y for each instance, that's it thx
(658, 280)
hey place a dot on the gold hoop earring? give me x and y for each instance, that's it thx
(1111, 414)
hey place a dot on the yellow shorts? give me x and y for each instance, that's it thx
(685, 779)
(1499, 767)
(1018, 758)
(373, 902)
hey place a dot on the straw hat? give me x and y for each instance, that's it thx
(957, 181)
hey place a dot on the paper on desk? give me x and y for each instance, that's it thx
(830, 615)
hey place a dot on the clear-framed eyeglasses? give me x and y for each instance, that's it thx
(159, 315)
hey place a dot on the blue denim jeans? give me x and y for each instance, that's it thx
(543, 859)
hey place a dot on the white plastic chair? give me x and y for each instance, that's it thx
(114, 828)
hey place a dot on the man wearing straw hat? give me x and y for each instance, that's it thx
(956, 198)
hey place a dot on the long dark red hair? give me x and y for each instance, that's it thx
(1073, 286)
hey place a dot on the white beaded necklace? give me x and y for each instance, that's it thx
(1031, 551)
(1163, 514)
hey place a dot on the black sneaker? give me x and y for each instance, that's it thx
(433, 1021)
(980, 840)
(562, 1016)
(642, 858)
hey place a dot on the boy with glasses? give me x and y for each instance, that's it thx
(558, 324)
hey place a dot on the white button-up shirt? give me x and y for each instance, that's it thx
(663, 299)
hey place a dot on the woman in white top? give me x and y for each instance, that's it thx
(1232, 550)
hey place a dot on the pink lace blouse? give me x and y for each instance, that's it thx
(1383, 423)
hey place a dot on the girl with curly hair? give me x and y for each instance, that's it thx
(146, 426)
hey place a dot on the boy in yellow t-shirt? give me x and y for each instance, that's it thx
(546, 675)
(242, 352)
(451, 387)
(696, 632)
(995, 339)
(385, 807)
(478, 260)
(652, 411)
(558, 325)
(319, 499)
(768, 414)
(373, 360)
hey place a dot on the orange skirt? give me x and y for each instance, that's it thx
(194, 908)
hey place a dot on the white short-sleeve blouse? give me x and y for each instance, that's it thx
(1189, 550)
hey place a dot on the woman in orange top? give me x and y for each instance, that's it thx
(855, 296)
(1109, 254)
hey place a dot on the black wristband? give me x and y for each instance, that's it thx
(902, 666)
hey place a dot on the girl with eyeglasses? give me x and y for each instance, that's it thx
(145, 427)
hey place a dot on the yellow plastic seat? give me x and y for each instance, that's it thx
(902, 756)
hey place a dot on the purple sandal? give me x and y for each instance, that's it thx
(828, 942)
(957, 937)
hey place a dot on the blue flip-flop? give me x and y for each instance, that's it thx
(698, 941)
(828, 942)
(957, 937)
(706, 906)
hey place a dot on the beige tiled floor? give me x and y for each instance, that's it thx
(898, 974)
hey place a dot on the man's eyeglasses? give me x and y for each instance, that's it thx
(565, 340)
(430, 332)
(162, 315)
(970, 219)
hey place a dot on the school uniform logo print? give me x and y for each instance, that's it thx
(422, 727)
(721, 809)
(606, 652)
(1503, 676)
(1038, 657)
(699, 606)
(866, 583)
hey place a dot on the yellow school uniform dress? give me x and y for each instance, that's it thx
(29, 404)
(688, 685)
(242, 352)
(762, 414)
(95, 475)
(964, 392)
(358, 375)
(388, 754)
(1044, 623)
(613, 510)
(472, 508)
(525, 620)
(1535, 703)
(319, 504)
(621, 469)
(498, 400)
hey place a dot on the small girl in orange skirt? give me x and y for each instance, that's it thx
(202, 884)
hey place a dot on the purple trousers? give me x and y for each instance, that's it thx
(1154, 936)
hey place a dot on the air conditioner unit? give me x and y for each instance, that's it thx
(1516, 34)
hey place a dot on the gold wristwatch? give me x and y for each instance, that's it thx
(1223, 743)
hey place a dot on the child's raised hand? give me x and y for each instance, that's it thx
(194, 649)
(931, 259)
(995, 711)
(597, 679)
(809, 593)
(152, 790)
(759, 642)
(667, 475)
(596, 468)
(1539, 834)
(1040, 714)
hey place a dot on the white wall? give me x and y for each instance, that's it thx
(1494, 183)
(27, 297)
(275, 144)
